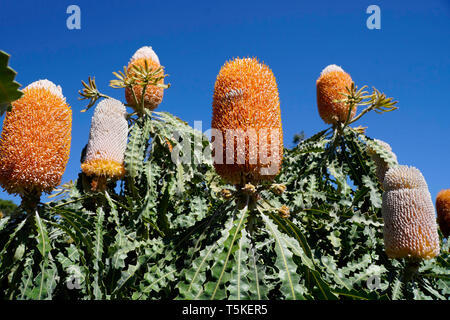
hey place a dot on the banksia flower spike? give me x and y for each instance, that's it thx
(246, 108)
(443, 211)
(35, 141)
(382, 165)
(107, 141)
(332, 82)
(153, 94)
(410, 229)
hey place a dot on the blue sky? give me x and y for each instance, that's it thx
(408, 59)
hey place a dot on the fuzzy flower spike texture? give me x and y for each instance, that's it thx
(107, 141)
(153, 95)
(410, 229)
(332, 82)
(35, 141)
(246, 105)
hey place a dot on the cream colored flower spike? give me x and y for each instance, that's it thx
(107, 140)
(146, 53)
(410, 228)
(404, 177)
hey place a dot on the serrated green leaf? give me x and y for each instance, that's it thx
(239, 286)
(221, 269)
(43, 242)
(397, 288)
(9, 89)
(193, 278)
(290, 286)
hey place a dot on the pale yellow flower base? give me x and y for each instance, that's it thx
(103, 168)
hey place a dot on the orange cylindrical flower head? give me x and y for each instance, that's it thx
(443, 211)
(410, 229)
(332, 82)
(35, 141)
(247, 134)
(153, 95)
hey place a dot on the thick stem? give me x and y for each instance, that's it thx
(251, 224)
(411, 269)
(30, 201)
(99, 184)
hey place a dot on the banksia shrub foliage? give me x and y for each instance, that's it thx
(103, 242)
(332, 82)
(173, 228)
(247, 119)
(335, 202)
(383, 157)
(145, 57)
(410, 229)
(35, 141)
(443, 211)
(107, 141)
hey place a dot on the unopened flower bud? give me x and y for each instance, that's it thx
(284, 211)
(226, 194)
(278, 188)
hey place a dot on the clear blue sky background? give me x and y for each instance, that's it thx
(409, 59)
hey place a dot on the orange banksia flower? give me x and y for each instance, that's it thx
(107, 141)
(333, 81)
(443, 211)
(153, 94)
(410, 228)
(247, 122)
(35, 141)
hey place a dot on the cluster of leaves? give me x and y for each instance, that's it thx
(105, 245)
(169, 231)
(335, 199)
